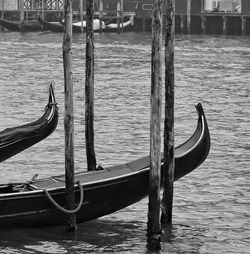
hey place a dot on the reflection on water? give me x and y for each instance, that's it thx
(211, 205)
(95, 236)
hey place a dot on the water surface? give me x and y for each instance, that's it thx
(211, 205)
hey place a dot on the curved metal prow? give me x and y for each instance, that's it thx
(194, 151)
(199, 109)
(52, 98)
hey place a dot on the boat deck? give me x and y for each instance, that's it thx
(93, 176)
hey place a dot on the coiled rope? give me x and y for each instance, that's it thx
(60, 207)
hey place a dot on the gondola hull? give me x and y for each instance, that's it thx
(34, 210)
(58, 27)
(104, 191)
(15, 26)
(55, 27)
(16, 139)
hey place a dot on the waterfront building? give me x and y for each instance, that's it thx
(192, 16)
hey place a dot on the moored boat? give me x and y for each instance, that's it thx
(58, 27)
(16, 26)
(78, 27)
(127, 25)
(16, 139)
(55, 27)
(40, 202)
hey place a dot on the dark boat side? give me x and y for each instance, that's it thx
(10, 25)
(15, 26)
(55, 27)
(190, 155)
(16, 139)
(104, 191)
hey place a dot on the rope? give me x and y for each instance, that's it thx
(24, 186)
(63, 209)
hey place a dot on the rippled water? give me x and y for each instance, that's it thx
(211, 205)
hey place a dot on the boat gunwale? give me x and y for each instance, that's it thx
(203, 127)
(37, 190)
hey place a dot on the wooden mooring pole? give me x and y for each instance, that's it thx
(21, 9)
(81, 14)
(43, 7)
(100, 15)
(2, 9)
(189, 16)
(118, 8)
(122, 14)
(68, 116)
(89, 87)
(204, 24)
(182, 23)
(243, 25)
(153, 225)
(57, 4)
(224, 26)
(168, 167)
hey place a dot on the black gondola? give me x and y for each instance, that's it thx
(78, 27)
(16, 26)
(16, 139)
(56, 27)
(98, 193)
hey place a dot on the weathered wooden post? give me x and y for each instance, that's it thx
(2, 9)
(81, 14)
(202, 6)
(68, 116)
(43, 7)
(100, 16)
(204, 24)
(118, 9)
(168, 167)
(182, 23)
(21, 8)
(27, 14)
(243, 25)
(122, 14)
(224, 20)
(57, 5)
(189, 16)
(89, 87)
(153, 226)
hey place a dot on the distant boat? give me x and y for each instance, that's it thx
(16, 139)
(56, 27)
(126, 25)
(27, 26)
(78, 27)
(40, 202)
